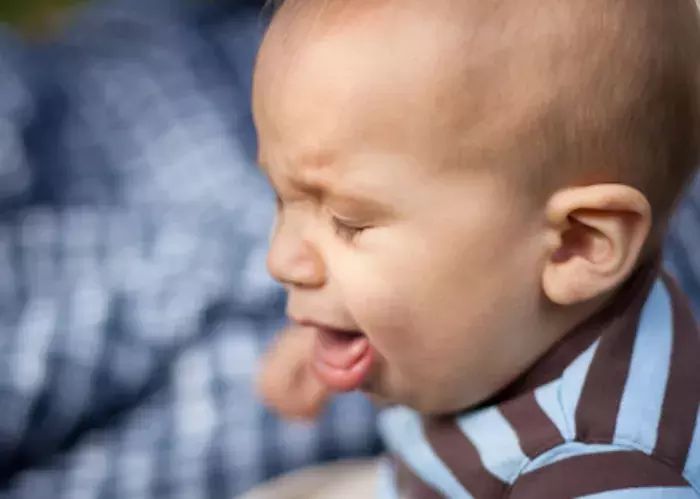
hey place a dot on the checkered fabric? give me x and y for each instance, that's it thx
(134, 300)
(683, 245)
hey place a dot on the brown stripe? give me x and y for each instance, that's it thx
(536, 432)
(596, 413)
(461, 457)
(680, 408)
(410, 486)
(594, 473)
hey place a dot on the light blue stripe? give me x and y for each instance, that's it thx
(386, 481)
(643, 397)
(549, 398)
(692, 465)
(648, 493)
(572, 384)
(496, 442)
(567, 451)
(403, 434)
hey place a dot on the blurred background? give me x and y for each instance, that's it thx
(134, 300)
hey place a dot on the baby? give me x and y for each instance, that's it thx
(472, 197)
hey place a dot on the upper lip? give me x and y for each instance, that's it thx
(305, 322)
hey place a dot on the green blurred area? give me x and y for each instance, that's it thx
(40, 17)
(34, 16)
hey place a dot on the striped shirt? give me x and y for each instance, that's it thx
(610, 412)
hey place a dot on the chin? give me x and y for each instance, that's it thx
(383, 394)
(380, 398)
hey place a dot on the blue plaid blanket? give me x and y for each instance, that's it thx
(134, 300)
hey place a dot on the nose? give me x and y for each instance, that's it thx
(293, 261)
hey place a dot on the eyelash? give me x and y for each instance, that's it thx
(345, 231)
(341, 228)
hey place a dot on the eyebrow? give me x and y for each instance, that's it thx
(301, 184)
(312, 184)
(315, 191)
(355, 201)
(329, 192)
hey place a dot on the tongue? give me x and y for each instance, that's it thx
(342, 360)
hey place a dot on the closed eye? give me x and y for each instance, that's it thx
(346, 230)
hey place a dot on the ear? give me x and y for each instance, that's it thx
(597, 234)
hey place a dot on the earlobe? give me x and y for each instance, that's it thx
(598, 234)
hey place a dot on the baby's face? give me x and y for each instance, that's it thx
(389, 225)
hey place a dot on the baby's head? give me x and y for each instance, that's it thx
(465, 181)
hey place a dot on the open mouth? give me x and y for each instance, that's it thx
(342, 359)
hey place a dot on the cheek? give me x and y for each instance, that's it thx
(378, 296)
(414, 293)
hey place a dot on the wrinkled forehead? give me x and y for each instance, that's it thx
(473, 76)
(393, 71)
(320, 86)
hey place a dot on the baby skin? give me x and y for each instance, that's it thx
(460, 186)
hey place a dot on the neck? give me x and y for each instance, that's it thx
(573, 330)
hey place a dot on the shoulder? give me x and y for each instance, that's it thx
(636, 387)
(629, 404)
(600, 471)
